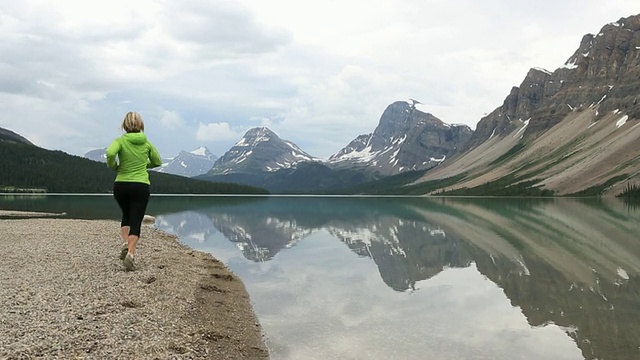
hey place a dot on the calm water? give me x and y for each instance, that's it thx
(409, 278)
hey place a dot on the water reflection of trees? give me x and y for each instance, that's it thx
(571, 262)
(632, 204)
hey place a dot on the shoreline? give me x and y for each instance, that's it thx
(65, 294)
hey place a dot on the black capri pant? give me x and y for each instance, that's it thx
(132, 198)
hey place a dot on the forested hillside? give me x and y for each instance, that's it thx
(27, 166)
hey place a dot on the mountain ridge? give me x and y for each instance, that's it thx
(401, 139)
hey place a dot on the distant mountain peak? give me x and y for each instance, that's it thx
(256, 135)
(201, 151)
(260, 149)
(189, 163)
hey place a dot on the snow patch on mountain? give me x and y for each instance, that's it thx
(201, 151)
(622, 121)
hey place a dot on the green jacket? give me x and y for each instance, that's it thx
(135, 154)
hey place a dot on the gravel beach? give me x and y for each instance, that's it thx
(64, 294)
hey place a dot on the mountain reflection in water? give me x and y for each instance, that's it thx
(569, 263)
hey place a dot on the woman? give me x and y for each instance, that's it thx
(131, 188)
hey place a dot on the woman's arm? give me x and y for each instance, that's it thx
(154, 157)
(111, 152)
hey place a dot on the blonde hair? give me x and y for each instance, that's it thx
(132, 122)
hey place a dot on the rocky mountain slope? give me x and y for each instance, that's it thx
(570, 131)
(405, 139)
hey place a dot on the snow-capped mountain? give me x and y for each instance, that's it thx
(260, 150)
(405, 139)
(189, 164)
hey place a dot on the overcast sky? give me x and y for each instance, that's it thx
(317, 72)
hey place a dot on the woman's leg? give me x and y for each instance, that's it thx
(139, 201)
(132, 199)
(124, 233)
(121, 194)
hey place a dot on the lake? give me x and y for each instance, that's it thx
(416, 278)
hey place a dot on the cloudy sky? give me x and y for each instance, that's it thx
(317, 72)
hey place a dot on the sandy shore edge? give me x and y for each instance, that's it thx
(65, 295)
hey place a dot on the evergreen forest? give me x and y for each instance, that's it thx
(28, 168)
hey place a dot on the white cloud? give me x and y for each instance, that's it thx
(225, 27)
(263, 122)
(216, 132)
(171, 119)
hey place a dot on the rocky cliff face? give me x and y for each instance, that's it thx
(405, 139)
(570, 131)
(517, 108)
(604, 71)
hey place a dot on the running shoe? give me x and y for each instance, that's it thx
(129, 264)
